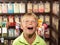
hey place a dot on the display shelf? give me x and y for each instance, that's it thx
(10, 1)
(19, 14)
(2, 14)
(53, 29)
(53, 40)
(56, 16)
(42, 14)
(10, 38)
(47, 39)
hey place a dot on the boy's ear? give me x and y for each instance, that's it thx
(21, 26)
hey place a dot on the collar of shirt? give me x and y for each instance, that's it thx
(23, 40)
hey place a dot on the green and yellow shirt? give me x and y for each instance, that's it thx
(21, 41)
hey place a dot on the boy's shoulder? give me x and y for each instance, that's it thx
(38, 39)
(17, 40)
(41, 40)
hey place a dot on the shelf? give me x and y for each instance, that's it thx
(13, 14)
(55, 0)
(23, 1)
(47, 39)
(42, 13)
(7, 14)
(53, 40)
(57, 16)
(9, 38)
(10, 1)
(53, 29)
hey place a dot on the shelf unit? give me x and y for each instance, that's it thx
(54, 31)
(52, 40)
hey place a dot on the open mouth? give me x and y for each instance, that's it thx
(30, 28)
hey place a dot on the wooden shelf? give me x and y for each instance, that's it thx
(9, 38)
(19, 14)
(47, 39)
(53, 40)
(56, 16)
(53, 29)
(2, 14)
(54, 0)
(43, 13)
(10, 1)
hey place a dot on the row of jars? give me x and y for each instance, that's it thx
(15, 31)
(31, 7)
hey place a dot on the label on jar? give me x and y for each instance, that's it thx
(47, 19)
(47, 7)
(4, 8)
(22, 7)
(35, 7)
(55, 7)
(41, 7)
(0, 8)
(0, 20)
(53, 20)
(2, 40)
(56, 23)
(0, 30)
(10, 8)
(41, 17)
(17, 32)
(16, 7)
(29, 7)
(11, 19)
(16, 19)
(11, 32)
(5, 42)
(4, 30)
(5, 19)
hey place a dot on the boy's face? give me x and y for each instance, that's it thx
(29, 25)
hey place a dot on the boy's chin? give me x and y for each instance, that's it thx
(30, 33)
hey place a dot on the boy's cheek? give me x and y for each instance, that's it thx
(36, 24)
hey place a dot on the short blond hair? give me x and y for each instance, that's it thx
(29, 14)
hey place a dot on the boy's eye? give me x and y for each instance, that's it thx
(26, 21)
(30, 21)
(34, 21)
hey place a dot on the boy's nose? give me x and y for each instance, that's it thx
(30, 22)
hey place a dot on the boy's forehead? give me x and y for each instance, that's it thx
(28, 17)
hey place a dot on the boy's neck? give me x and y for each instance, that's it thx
(30, 38)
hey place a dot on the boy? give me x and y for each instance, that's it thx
(29, 27)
